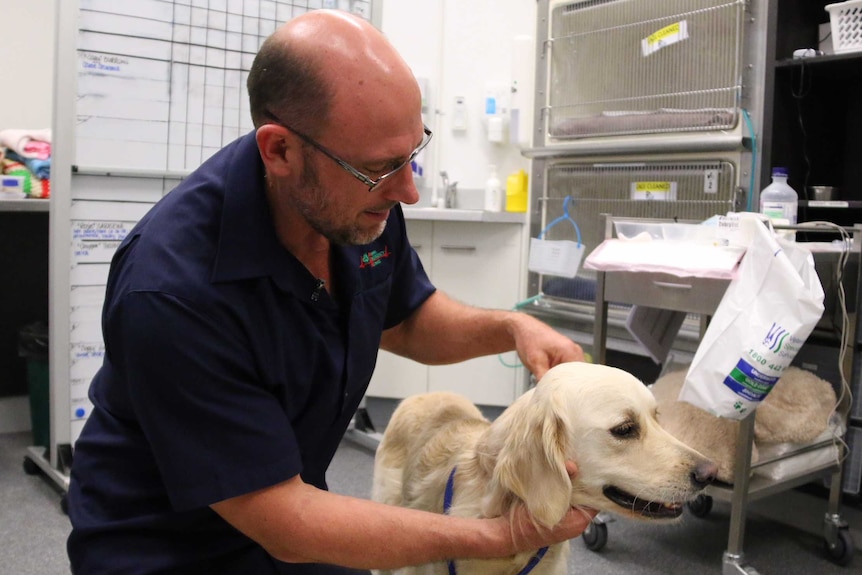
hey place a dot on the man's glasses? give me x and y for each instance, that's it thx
(372, 183)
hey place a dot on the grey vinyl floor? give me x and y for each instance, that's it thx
(783, 534)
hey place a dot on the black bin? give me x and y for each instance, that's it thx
(33, 347)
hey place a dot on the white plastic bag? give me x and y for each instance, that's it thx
(766, 314)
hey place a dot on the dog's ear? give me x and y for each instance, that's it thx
(531, 464)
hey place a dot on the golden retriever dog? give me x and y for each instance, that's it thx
(602, 418)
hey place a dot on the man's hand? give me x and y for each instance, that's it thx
(528, 536)
(541, 347)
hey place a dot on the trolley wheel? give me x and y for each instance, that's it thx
(596, 536)
(841, 553)
(64, 504)
(30, 467)
(700, 506)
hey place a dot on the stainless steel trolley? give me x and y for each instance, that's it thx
(702, 296)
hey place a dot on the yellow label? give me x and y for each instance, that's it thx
(653, 187)
(663, 33)
(667, 36)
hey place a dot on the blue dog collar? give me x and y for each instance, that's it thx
(447, 504)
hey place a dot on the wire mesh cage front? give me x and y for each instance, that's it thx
(690, 190)
(624, 67)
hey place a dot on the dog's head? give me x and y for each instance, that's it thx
(603, 419)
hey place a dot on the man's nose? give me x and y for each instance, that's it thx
(402, 188)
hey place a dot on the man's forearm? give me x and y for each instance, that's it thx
(296, 522)
(446, 331)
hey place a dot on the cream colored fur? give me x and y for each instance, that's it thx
(713, 436)
(796, 410)
(600, 417)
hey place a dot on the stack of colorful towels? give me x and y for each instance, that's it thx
(27, 154)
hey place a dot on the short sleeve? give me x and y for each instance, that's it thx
(214, 429)
(410, 284)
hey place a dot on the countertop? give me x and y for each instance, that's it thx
(462, 215)
(410, 213)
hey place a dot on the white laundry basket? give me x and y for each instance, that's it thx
(845, 20)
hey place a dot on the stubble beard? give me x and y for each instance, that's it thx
(315, 205)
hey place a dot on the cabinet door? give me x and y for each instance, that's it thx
(479, 264)
(397, 377)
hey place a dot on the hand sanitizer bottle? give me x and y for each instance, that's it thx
(493, 191)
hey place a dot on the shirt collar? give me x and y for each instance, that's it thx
(248, 246)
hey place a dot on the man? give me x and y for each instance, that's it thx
(241, 331)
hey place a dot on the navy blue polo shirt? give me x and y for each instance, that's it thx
(226, 371)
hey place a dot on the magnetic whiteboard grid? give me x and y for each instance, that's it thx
(161, 83)
(160, 88)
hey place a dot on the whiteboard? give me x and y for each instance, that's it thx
(161, 83)
(145, 91)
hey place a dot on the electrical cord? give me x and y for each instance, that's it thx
(845, 396)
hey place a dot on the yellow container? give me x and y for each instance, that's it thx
(516, 192)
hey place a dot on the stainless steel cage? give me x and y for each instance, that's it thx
(667, 189)
(625, 67)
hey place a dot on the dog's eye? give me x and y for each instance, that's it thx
(625, 430)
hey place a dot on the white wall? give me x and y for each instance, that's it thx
(460, 46)
(457, 45)
(26, 101)
(27, 38)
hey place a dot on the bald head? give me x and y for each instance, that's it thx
(326, 67)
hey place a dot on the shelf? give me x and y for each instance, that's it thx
(825, 60)
(835, 204)
(24, 205)
(760, 487)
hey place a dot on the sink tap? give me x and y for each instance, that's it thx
(451, 190)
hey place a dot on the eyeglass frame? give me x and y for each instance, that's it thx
(370, 182)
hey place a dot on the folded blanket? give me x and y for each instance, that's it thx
(17, 140)
(664, 120)
(41, 168)
(33, 187)
(37, 149)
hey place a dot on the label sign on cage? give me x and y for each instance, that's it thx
(661, 191)
(710, 182)
(676, 32)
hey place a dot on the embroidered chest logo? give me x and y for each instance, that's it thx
(373, 258)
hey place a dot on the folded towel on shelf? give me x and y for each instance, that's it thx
(40, 168)
(804, 460)
(17, 141)
(38, 150)
(33, 186)
(649, 121)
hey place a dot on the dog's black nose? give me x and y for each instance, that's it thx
(704, 474)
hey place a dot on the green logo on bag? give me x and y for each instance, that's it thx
(775, 338)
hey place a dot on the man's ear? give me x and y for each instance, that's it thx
(280, 150)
